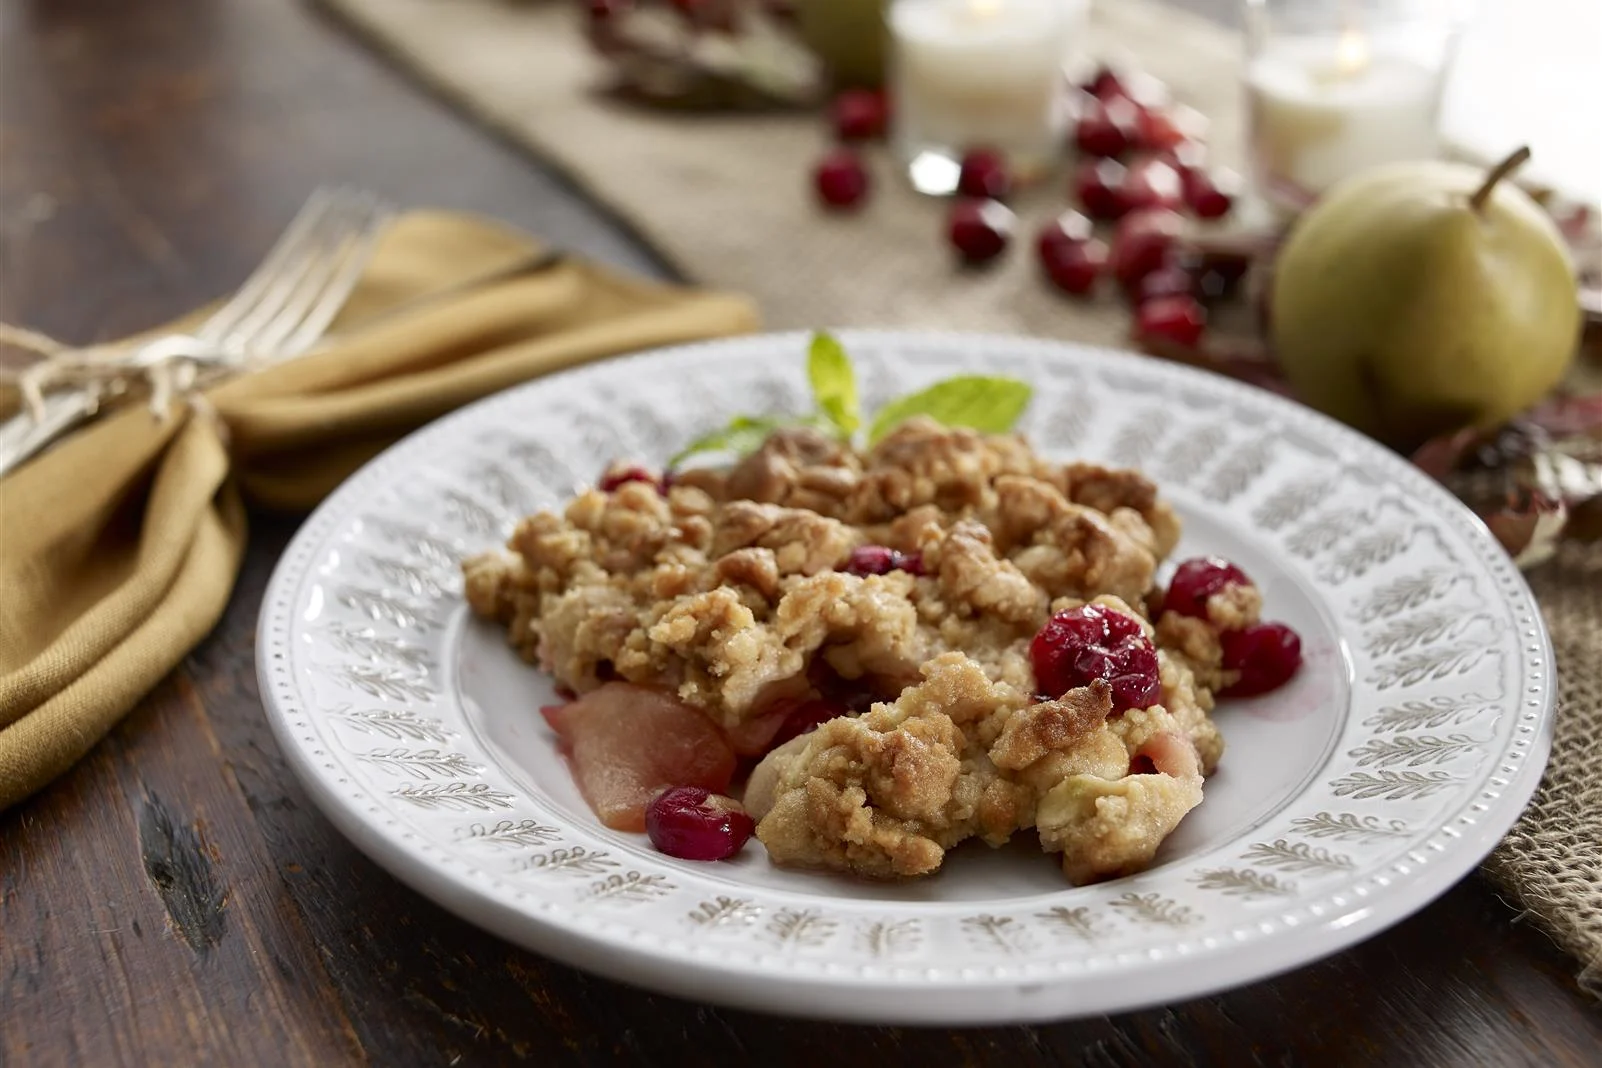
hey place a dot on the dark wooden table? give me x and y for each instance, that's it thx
(176, 899)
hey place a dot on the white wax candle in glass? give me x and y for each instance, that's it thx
(1334, 87)
(978, 73)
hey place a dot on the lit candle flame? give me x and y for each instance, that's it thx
(1351, 53)
(984, 9)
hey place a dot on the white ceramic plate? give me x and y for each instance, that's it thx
(1382, 775)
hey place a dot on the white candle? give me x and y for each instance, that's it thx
(979, 73)
(1321, 111)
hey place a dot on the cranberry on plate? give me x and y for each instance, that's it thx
(1096, 642)
(692, 823)
(881, 560)
(617, 475)
(1265, 654)
(1196, 580)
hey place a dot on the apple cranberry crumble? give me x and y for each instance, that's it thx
(942, 637)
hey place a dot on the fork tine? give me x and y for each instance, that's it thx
(325, 284)
(312, 246)
(283, 253)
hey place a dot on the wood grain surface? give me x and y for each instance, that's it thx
(176, 899)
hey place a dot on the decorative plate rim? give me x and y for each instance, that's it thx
(1311, 926)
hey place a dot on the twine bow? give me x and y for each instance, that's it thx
(168, 368)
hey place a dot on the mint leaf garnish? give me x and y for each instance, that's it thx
(834, 383)
(743, 434)
(988, 404)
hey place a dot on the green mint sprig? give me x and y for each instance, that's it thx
(990, 404)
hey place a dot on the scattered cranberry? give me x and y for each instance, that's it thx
(1210, 196)
(1072, 258)
(859, 115)
(881, 560)
(1094, 642)
(1164, 129)
(1265, 654)
(984, 175)
(980, 229)
(692, 823)
(1105, 82)
(1108, 127)
(1145, 91)
(1185, 157)
(1153, 183)
(1143, 242)
(616, 476)
(1099, 186)
(841, 179)
(1180, 320)
(1172, 279)
(1197, 579)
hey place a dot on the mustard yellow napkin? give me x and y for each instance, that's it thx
(118, 548)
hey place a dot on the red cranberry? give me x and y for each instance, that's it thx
(692, 823)
(1068, 228)
(1172, 279)
(1146, 91)
(984, 174)
(1105, 82)
(1153, 183)
(881, 560)
(1099, 186)
(1142, 243)
(1210, 196)
(980, 229)
(1107, 127)
(1094, 642)
(859, 115)
(1180, 320)
(616, 476)
(1072, 258)
(841, 179)
(1265, 654)
(1197, 579)
(602, 10)
(1163, 129)
(1186, 156)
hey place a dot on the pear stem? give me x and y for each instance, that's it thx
(1519, 158)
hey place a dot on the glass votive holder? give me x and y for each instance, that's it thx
(978, 73)
(1334, 87)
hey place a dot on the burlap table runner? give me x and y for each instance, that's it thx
(725, 199)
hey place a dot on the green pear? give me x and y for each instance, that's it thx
(1417, 298)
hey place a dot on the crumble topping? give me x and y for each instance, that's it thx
(731, 590)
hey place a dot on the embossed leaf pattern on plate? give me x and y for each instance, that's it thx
(1441, 640)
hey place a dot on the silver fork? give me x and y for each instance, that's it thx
(280, 312)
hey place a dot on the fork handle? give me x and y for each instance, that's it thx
(23, 437)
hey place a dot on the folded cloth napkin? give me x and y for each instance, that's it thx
(118, 548)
